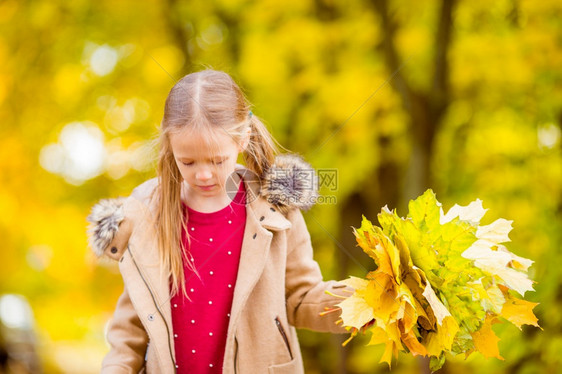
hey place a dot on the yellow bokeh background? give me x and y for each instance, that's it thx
(392, 95)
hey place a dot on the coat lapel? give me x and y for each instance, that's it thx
(148, 284)
(261, 220)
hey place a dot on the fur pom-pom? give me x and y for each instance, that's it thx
(290, 181)
(104, 223)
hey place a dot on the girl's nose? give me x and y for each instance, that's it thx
(203, 174)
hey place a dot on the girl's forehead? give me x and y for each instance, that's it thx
(207, 144)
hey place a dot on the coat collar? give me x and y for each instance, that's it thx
(267, 215)
(289, 183)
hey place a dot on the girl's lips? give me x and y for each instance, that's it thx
(206, 188)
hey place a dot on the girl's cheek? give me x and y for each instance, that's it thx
(223, 169)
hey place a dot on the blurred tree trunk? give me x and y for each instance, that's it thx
(179, 32)
(382, 187)
(425, 108)
(559, 210)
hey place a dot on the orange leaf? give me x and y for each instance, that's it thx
(486, 341)
(519, 312)
(415, 347)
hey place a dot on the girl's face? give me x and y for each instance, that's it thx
(205, 162)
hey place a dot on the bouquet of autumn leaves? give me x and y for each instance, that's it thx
(441, 281)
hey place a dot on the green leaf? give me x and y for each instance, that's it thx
(436, 363)
(424, 211)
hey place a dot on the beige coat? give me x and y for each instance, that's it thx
(279, 287)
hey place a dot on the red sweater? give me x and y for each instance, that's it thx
(200, 325)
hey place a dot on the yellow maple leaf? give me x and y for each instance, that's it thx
(381, 296)
(355, 311)
(391, 349)
(393, 256)
(387, 335)
(388, 351)
(415, 347)
(407, 315)
(519, 312)
(355, 283)
(441, 339)
(485, 340)
(379, 336)
(439, 310)
(414, 282)
(381, 249)
(405, 258)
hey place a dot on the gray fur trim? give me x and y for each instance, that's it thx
(104, 223)
(290, 181)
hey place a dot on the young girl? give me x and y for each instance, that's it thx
(216, 258)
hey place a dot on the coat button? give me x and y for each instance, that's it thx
(253, 237)
(262, 218)
(151, 317)
(273, 210)
(113, 249)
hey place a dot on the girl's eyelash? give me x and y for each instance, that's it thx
(191, 163)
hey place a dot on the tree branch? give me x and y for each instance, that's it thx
(173, 18)
(392, 59)
(441, 62)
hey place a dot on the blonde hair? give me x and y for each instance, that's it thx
(201, 101)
